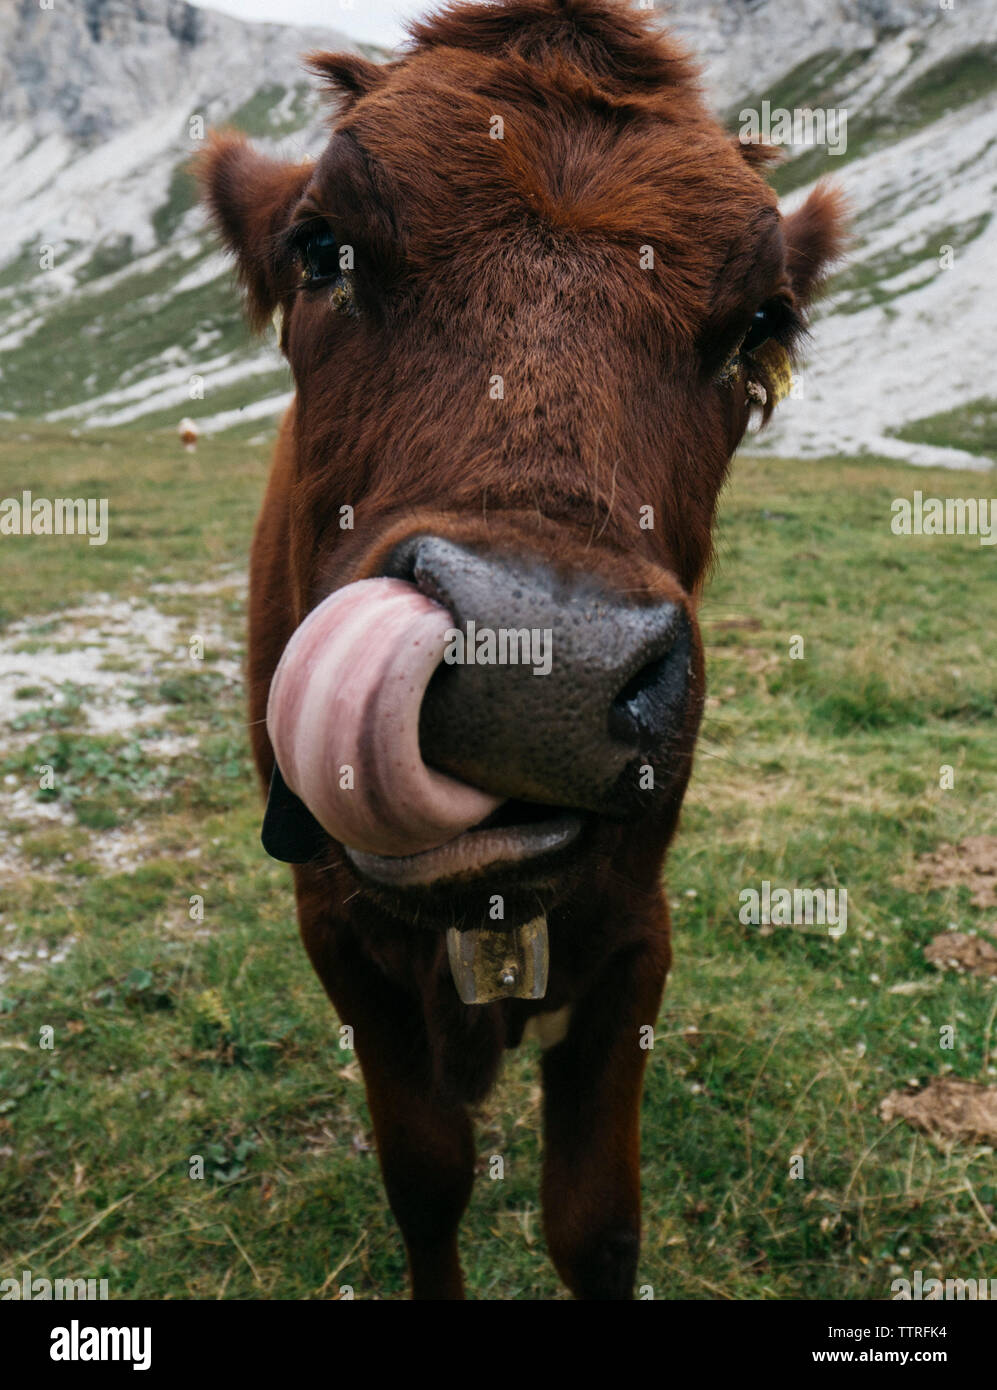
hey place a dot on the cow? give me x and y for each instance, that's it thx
(531, 294)
(189, 434)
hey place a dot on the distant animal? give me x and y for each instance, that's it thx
(189, 434)
(531, 293)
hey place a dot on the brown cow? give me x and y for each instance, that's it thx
(531, 292)
(189, 434)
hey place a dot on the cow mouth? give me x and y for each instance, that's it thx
(518, 833)
(343, 718)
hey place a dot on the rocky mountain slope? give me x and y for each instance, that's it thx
(900, 363)
(113, 299)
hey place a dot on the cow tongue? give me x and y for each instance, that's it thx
(343, 719)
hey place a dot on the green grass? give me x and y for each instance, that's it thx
(108, 258)
(176, 1036)
(951, 83)
(972, 427)
(260, 116)
(23, 267)
(172, 516)
(181, 196)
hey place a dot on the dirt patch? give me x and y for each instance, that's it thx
(89, 670)
(953, 950)
(122, 850)
(973, 863)
(103, 655)
(947, 1108)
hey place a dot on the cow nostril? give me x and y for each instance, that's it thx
(632, 709)
(652, 700)
(416, 561)
(401, 563)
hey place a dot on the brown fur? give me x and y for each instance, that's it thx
(518, 257)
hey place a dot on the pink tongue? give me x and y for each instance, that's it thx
(347, 695)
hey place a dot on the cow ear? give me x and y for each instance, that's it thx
(250, 198)
(348, 76)
(816, 236)
(290, 831)
(756, 153)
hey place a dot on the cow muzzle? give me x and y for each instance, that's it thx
(466, 710)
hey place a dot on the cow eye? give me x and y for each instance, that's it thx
(319, 252)
(763, 326)
(777, 319)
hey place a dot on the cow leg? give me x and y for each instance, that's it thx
(425, 1142)
(592, 1090)
(426, 1150)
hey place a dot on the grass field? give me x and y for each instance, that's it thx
(179, 1032)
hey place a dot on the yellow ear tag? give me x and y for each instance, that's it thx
(773, 358)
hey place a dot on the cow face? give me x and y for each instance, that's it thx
(530, 294)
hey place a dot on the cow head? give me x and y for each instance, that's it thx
(530, 294)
